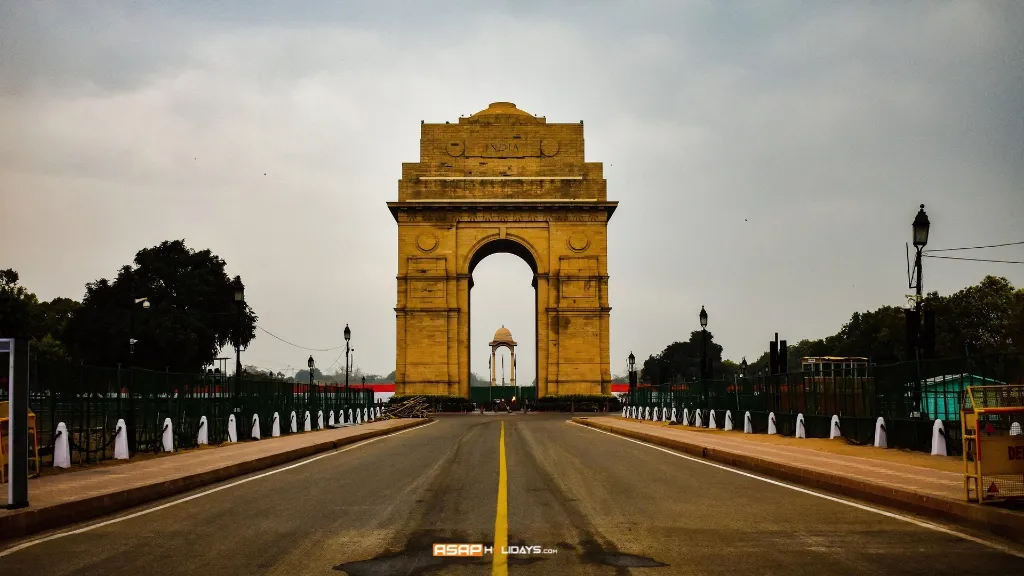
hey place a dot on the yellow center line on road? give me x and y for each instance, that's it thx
(499, 566)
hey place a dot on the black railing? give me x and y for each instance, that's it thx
(90, 401)
(909, 395)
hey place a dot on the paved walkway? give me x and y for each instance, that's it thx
(103, 480)
(922, 480)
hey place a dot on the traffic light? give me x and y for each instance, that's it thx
(913, 327)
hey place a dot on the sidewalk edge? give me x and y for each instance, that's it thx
(1000, 522)
(32, 521)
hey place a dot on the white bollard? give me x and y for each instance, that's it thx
(232, 429)
(351, 418)
(255, 426)
(664, 414)
(307, 425)
(378, 411)
(168, 436)
(623, 411)
(365, 414)
(728, 420)
(748, 423)
(359, 416)
(61, 447)
(833, 428)
(686, 416)
(1015, 429)
(801, 426)
(275, 428)
(939, 439)
(771, 423)
(203, 436)
(121, 440)
(320, 420)
(373, 416)
(330, 417)
(880, 436)
(673, 415)
(293, 427)
(647, 413)
(712, 421)
(698, 418)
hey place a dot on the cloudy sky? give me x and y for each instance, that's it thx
(768, 158)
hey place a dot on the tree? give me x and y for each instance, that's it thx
(192, 313)
(44, 323)
(681, 360)
(17, 306)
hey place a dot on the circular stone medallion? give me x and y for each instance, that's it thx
(455, 149)
(549, 147)
(578, 242)
(426, 242)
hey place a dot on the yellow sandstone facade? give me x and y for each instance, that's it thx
(502, 180)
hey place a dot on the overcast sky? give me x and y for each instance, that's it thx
(768, 158)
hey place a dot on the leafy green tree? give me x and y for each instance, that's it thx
(192, 313)
(681, 360)
(21, 314)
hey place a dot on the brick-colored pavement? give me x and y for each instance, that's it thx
(919, 479)
(103, 480)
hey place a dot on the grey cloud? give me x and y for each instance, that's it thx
(768, 157)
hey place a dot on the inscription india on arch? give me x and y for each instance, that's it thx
(505, 148)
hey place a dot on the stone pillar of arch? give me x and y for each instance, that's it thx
(503, 338)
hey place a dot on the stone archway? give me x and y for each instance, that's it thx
(502, 180)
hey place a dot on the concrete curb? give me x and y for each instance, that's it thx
(1000, 522)
(31, 521)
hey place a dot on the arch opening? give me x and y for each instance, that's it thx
(501, 298)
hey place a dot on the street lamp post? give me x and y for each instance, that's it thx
(348, 337)
(239, 306)
(631, 364)
(130, 424)
(921, 227)
(309, 391)
(704, 355)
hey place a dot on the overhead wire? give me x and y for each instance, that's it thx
(974, 259)
(297, 345)
(974, 247)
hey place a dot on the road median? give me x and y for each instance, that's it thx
(1002, 522)
(106, 491)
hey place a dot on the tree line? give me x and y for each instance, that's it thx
(172, 309)
(987, 318)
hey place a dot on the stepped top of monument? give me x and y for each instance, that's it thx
(502, 113)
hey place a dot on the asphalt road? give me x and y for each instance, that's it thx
(606, 504)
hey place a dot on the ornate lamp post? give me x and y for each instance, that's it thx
(921, 227)
(704, 355)
(239, 290)
(631, 364)
(309, 391)
(348, 336)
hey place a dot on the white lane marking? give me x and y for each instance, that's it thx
(914, 521)
(24, 545)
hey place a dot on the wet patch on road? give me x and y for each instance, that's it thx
(594, 553)
(415, 559)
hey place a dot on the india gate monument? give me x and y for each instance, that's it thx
(502, 180)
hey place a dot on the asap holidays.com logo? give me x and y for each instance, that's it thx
(478, 550)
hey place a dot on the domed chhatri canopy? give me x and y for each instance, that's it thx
(502, 112)
(503, 336)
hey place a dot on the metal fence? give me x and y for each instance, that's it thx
(890, 391)
(90, 400)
